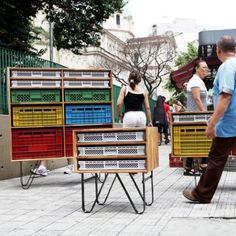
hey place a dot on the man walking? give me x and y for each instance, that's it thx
(222, 125)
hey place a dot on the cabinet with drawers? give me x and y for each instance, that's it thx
(116, 150)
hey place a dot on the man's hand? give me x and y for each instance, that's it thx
(211, 131)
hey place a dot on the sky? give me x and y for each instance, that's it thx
(207, 13)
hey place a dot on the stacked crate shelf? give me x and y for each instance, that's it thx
(88, 101)
(117, 150)
(188, 134)
(47, 104)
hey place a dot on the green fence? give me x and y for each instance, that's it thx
(11, 58)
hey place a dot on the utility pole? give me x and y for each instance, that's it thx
(50, 34)
(50, 41)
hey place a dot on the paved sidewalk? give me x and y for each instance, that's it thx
(52, 206)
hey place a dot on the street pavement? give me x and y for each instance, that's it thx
(52, 206)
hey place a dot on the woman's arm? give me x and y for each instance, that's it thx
(196, 96)
(119, 102)
(147, 108)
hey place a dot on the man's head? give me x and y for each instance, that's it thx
(225, 47)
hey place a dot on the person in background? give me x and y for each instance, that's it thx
(167, 119)
(197, 101)
(159, 118)
(43, 171)
(210, 106)
(178, 106)
(221, 125)
(134, 98)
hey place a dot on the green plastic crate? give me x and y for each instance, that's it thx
(35, 96)
(87, 95)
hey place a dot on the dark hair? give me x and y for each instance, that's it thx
(226, 44)
(197, 64)
(134, 79)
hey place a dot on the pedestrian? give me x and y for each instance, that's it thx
(167, 120)
(197, 101)
(42, 170)
(221, 125)
(134, 98)
(160, 119)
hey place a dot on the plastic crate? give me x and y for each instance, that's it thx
(69, 141)
(86, 74)
(88, 114)
(87, 95)
(191, 117)
(35, 96)
(37, 116)
(234, 151)
(35, 83)
(112, 165)
(111, 136)
(112, 150)
(190, 140)
(35, 74)
(86, 83)
(175, 161)
(37, 143)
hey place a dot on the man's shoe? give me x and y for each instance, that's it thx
(188, 194)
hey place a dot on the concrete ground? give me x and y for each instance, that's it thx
(52, 206)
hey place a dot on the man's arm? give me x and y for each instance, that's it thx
(221, 107)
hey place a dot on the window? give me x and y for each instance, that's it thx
(118, 19)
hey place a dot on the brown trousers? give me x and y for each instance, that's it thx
(219, 152)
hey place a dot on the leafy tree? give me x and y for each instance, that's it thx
(15, 23)
(186, 57)
(182, 59)
(77, 23)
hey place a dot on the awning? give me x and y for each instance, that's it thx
(184, 73)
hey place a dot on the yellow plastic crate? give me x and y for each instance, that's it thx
(190, 141)
(37, 116)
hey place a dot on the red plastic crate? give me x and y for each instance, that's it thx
(69, 142)
(175, 161)
(234, 151)
(37, 143)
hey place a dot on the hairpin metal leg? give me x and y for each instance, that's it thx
(31, 177)
(143, 182)
(108, 192)
(97, 192)
(130, 199)
(195, 163)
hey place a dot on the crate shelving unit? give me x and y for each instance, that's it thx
(45, 106)
(188, 134)
(115, 151)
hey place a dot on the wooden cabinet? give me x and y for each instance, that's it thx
(116, 150)
(45, 106)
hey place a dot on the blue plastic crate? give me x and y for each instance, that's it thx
(88, 114)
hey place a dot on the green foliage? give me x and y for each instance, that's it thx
(77, 23)
(15, 23)
(183, 59)
(186, 57)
